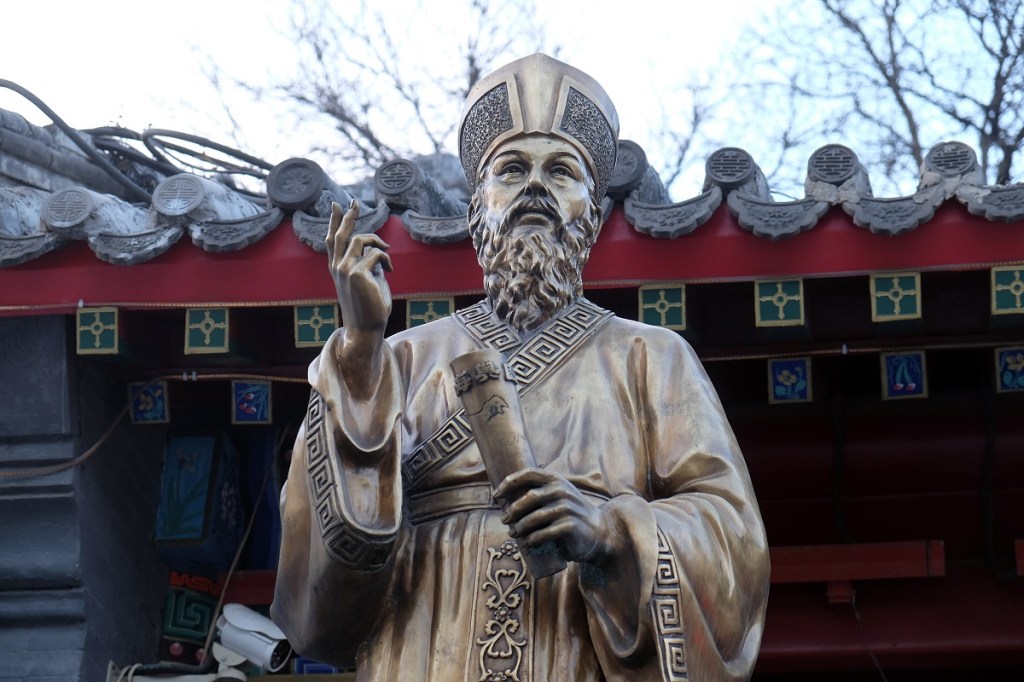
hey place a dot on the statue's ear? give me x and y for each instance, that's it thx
(604, 210)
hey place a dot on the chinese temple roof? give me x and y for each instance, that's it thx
(78, 206)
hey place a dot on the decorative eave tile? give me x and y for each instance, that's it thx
(775, 220)
(207, 330)
(97, 331)
(314, 324)
(663, 305)
(779, 303)
(312, 230)
(670, 221)
(904, 375)
(893, 216)
(435, 230)
(217, 236)
(131, 249)
(1004, 204)
(896, 296)
(420, 311)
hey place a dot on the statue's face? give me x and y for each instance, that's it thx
(541, 181)
(533, 220)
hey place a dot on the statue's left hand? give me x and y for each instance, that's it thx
(541, 506)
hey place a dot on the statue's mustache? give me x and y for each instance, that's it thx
(531, 204)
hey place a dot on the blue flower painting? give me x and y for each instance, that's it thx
(904, 375)
(251, 402)
(1009, 369)
(148, 402)
(789, 380)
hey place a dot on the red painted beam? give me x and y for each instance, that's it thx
(969, 618)
(279, 269)
(253, 588)
(871, 561)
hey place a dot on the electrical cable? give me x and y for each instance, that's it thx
(158, 147)
(55, 468)
(109, 139)
(864, 640)
(133, 189)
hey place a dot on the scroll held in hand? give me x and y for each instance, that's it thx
(488, 393)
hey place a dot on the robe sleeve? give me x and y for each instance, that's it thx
(685, 594)
(340, 512)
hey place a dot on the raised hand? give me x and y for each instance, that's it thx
(539, 506)
(357, 264)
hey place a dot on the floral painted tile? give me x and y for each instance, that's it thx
(789, 380)
(1009, 369)
(251, 402)
(148, 401)
(904, 375)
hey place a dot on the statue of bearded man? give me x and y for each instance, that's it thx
(397, 551)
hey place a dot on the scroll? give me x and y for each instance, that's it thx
(488, 393)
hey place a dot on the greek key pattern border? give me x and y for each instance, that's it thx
(348, 546)
(667, 615)
(530, 364)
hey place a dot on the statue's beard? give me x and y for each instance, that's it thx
(528, 278)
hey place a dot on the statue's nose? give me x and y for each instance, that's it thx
(535, 185)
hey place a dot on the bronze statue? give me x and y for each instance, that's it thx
(395, 547)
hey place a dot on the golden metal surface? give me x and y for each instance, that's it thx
(393, 549)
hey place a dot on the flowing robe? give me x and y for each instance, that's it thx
(396, 554)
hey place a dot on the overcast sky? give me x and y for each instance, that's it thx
(141, 64)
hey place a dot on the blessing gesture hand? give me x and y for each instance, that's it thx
(357, 264)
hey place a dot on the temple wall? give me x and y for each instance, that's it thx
(71, 596)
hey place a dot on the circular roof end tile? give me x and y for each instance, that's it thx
(951, 159)
(396, 176)
(630, 166)
(833, 163)
(295, 184)
(178, 195)
(67, 208)
(730, 167)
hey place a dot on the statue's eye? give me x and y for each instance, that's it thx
(511, 168)
(561, 170)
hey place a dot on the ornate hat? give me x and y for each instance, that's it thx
(539, 94)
